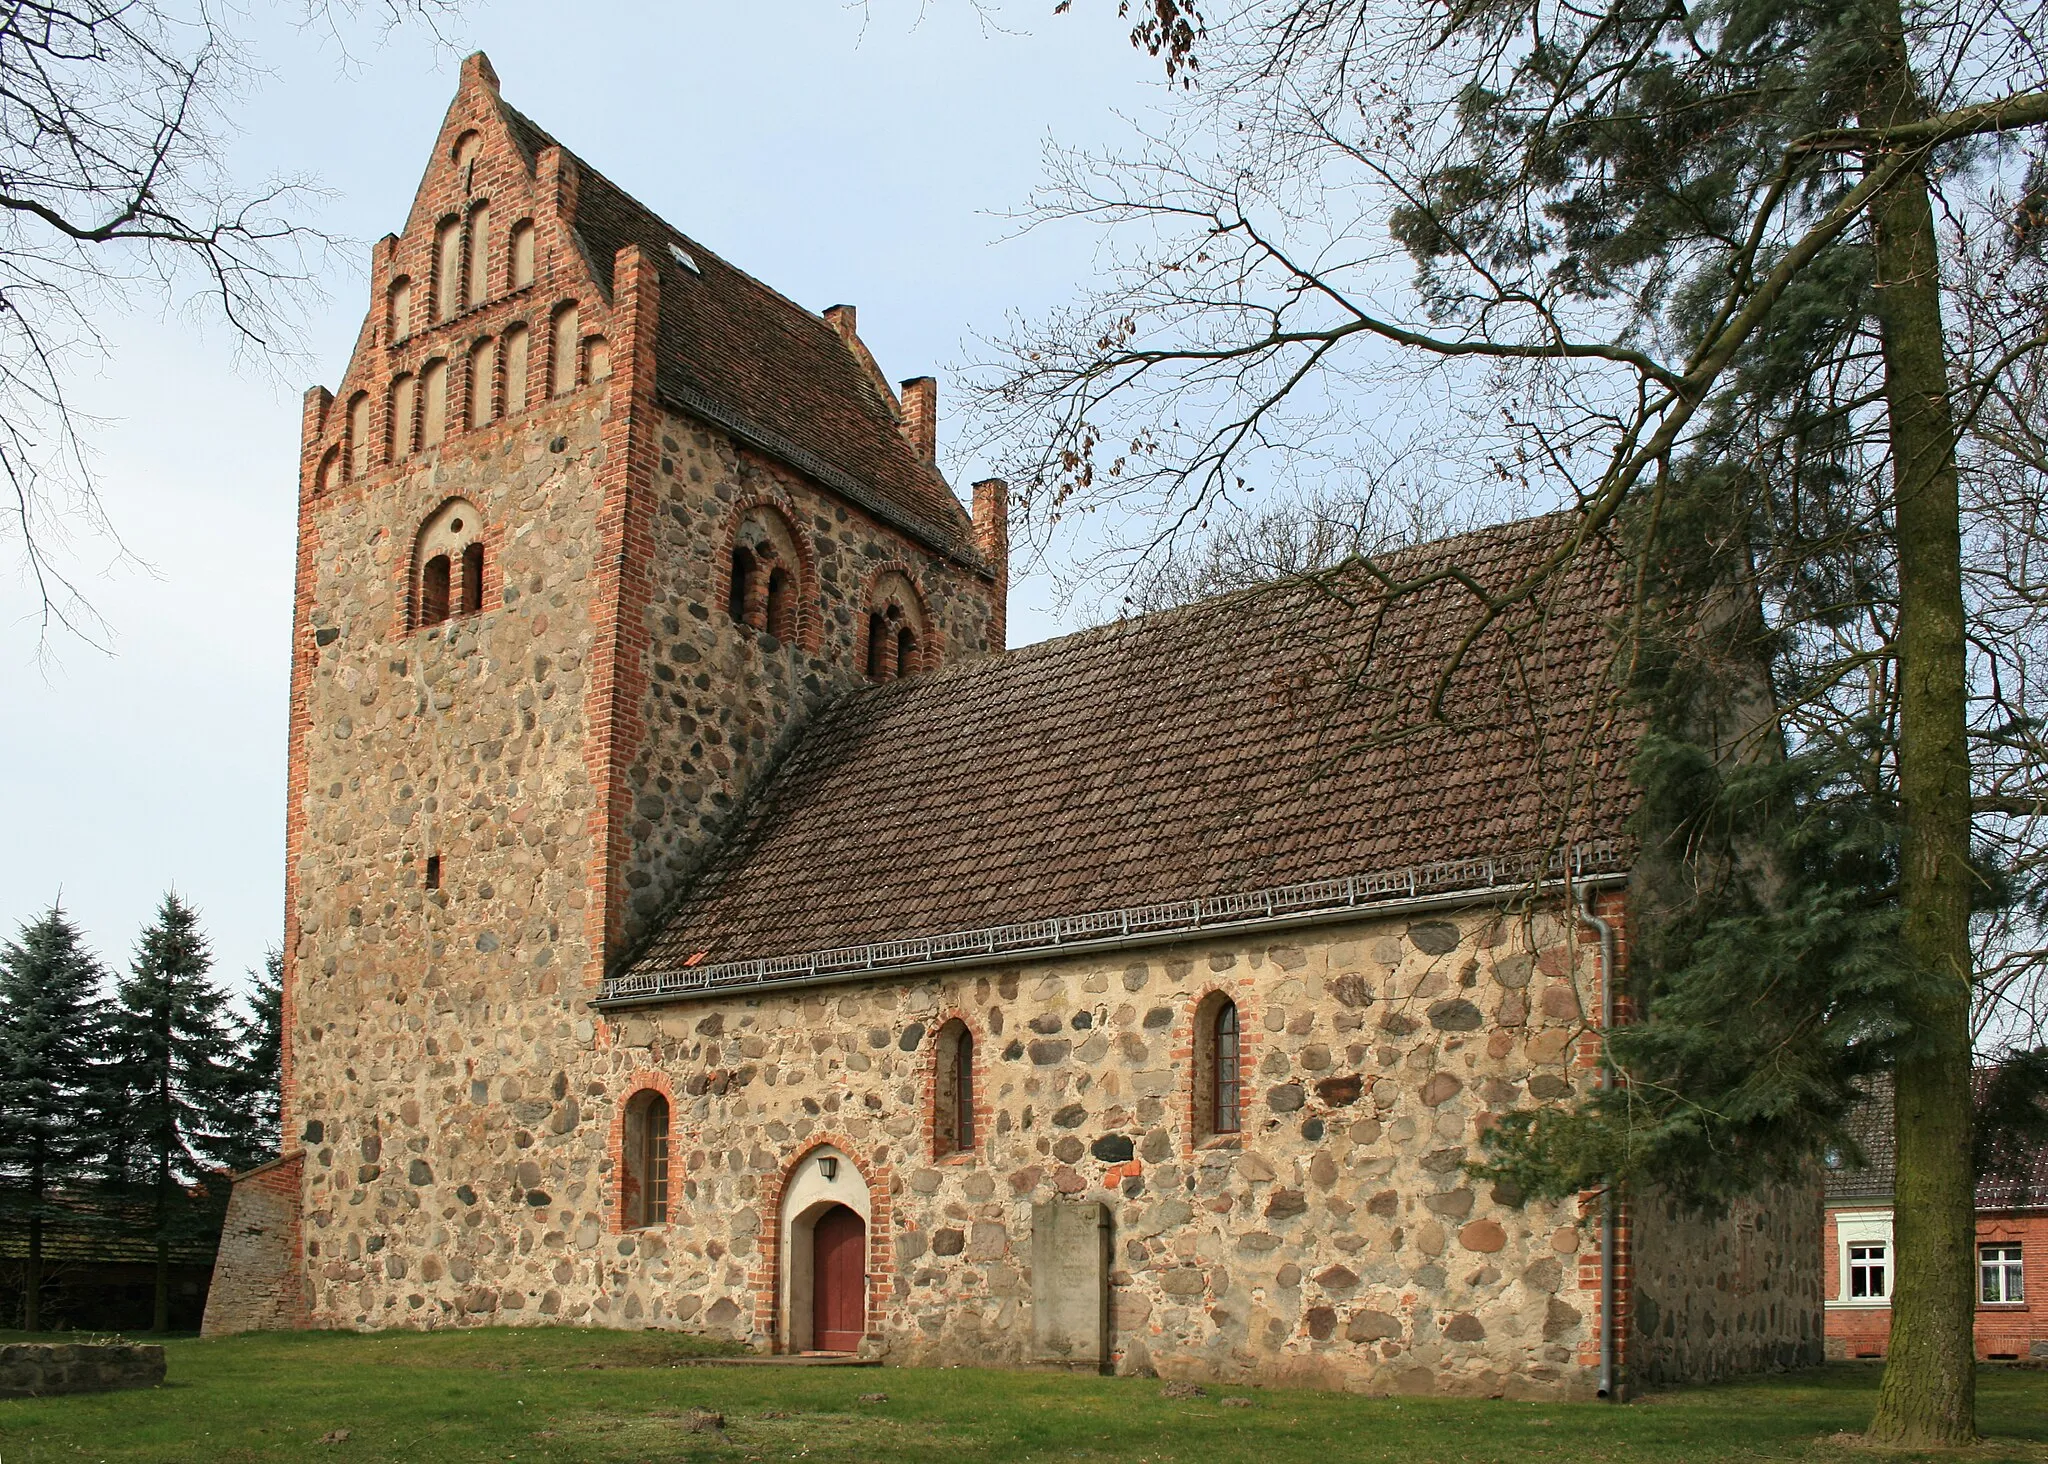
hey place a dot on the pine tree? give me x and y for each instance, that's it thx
(51, 1033)
(182, 1084)
(260, 1039)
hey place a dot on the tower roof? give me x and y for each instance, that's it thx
(776, 376)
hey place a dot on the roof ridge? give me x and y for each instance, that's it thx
(1207, 605)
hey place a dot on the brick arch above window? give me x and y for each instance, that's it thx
(896, 635)
(451, 573)
(1200, 1028)
(760, 539)
(957, 1116)
(643, 1145)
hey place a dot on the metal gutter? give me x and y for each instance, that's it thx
(1417, 887)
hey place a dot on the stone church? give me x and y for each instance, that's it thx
(696, 917)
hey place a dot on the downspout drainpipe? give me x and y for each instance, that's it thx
(1608, 1387)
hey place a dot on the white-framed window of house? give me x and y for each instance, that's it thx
(1870, 1271)
(2000, 1276)
(1866, 1258)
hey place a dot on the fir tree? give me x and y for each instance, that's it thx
(51, 1034)
(182, 1085)
(261, 1041)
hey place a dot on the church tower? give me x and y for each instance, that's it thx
(592, 523)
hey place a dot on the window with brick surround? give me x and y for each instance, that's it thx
(643, 1161)
(953, 1091)
(522, 254)
(398, 310)
(2000, 1274)
(434, 590)
(896, 629)
(1869, 1270)
(451, 558)
(1218, 1068)
(781, 613)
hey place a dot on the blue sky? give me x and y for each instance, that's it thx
(842, 153)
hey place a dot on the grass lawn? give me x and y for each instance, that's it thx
(613, 1397)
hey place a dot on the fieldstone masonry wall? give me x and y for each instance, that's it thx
(37, 1369)
(1336, 1242)
(1716, 1296)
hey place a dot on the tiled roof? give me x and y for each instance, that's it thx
(1870, 1124)
(772, 373)
(1253, 740)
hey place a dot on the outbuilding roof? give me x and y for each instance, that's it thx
(1258, 739)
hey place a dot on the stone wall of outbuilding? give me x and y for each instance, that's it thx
(1718, 1295)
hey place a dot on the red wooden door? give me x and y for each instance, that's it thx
(839, 1282)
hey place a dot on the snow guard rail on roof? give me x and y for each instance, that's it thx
(1438, 883)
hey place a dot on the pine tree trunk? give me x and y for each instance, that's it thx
(1928, 1396)
(32, 1291)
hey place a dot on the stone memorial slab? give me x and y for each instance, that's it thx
(1070, 1283)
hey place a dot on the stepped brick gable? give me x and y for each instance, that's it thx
(697, 918)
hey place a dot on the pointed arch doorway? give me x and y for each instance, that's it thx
(827, 1213)
(839, 1280)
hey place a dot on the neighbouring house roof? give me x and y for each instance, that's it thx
(775, 375)
(100, 1232)
(1254, 740)
(1870, 1125)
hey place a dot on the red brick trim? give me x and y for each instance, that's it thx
(767, 1275)
(931, 647)
(928, 1080)
(1187, 1034)
(615, 703)
(641, 1080)
(810, 620)
(407, 598)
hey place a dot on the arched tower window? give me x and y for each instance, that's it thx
(359, 434)
(741, 589)
(953, 1091)
(522, 254)
(483, 369)
(562, 348)
(434, 403)
(434, 590)
(398, 429)
(518, 351)
(330, 471)
(643, 1166)
(766, 588)
(447, 268)
(1219, 1074)
(479, 274)
(467, 148)
(450, 556)
(781, 613)
(472, 578)
(896, 629)
(398, 310)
